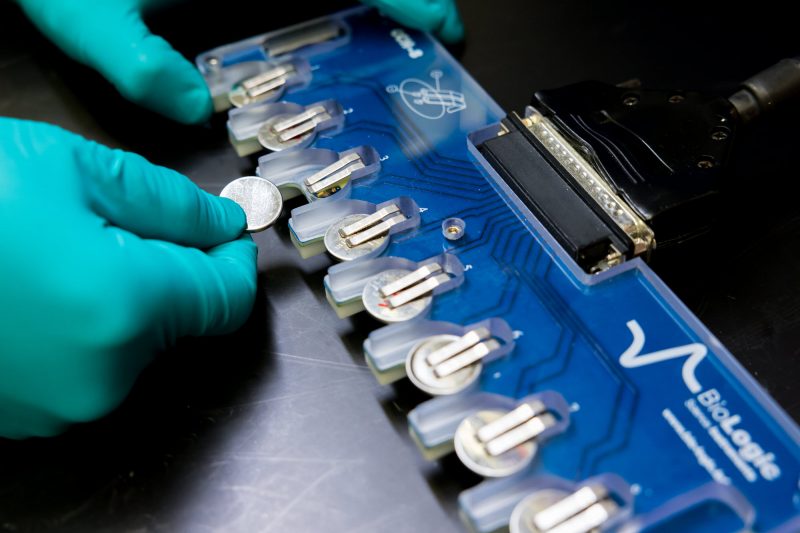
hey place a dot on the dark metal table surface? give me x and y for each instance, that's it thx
(281, 427)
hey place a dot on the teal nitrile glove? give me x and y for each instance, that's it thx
(99, 272)
(437, 16)
(110, 36)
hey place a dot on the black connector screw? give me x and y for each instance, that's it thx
(705, 163)
(719, 135)
(675, 99)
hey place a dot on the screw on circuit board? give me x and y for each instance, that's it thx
(453, 228)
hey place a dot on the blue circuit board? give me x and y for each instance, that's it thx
(654, 398)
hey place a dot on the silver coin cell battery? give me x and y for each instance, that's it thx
(521, 520)
(261, 86)
(286, 130)
(422, 374)
(413, 285)
(552, 511)
(357, 235)
(337, 245)
(447, 364)
(378, 305)
(495, 443)
(259, 198)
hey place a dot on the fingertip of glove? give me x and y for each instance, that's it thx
(452, 28)
(232, 217)
(165, 82)
(185, 100)
(193, 106)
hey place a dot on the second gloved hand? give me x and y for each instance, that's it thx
(110, 36)
(106, 260)
(437, 16)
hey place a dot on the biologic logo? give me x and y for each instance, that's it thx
(724, 426)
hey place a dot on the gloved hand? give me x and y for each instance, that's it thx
(99, 271)
(109, 36)
(436, 16)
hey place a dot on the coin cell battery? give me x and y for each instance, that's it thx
(360, 234)
(378, 305)
(281, 126)
(288, 130)
(555, 511)
(496, 443)
(448, 364)
(397, 295)
(265, 67)
(259, 199)
(270, 84)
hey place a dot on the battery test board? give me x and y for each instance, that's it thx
(589, 401)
